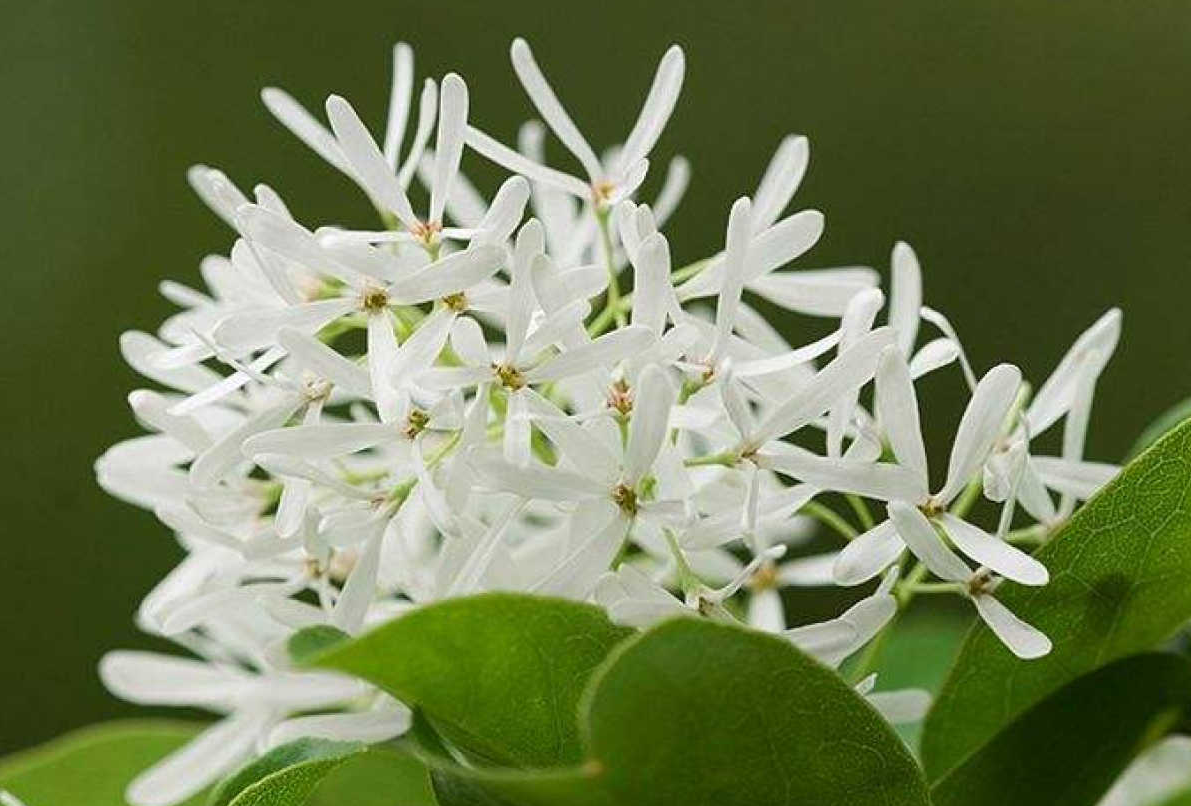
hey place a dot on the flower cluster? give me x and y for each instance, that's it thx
(526, 393)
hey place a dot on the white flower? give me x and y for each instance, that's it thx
(605, 481)
(774, 244)
(608, 181)
(350, 423)
(907, 482)
(256, 708)
(920, 535)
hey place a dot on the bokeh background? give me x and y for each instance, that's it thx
(1035, 154)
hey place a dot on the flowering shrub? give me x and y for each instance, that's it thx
(472, 493)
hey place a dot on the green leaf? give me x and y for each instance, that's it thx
(1181, 799)
(1166, 422)
(376, 778)
(286, 775)
(696, 712)
(1070, 747)
(1120, 584)
(308, 642)
(500, 674)
(94, 765)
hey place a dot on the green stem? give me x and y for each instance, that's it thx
(862, 511)
(727, 459)
(968, 498)
(612, 302)
(828, 516)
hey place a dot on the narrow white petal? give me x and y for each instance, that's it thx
(504, 213)
(944, 326)
(849, 371)
(812, 571)
(678, 178)
(503, 155)
(980, 426)
(290, 467)
(649, 424)
(536, 481)
(562, 327)
(735, 254)
(448, 144)
(1057, 393)
(1022, 639)
(583, 450)
(735, 405)
(782, 177)
(577, 575)
(139, 350)
(467, 340)
(373, 173)
(360, 588)
(920, 535)
(325, 361)
(400, 95)
(205, 759)
(766, 612)
(378, 725)
(419, 351)
(321, 441)
(825, 292)
(881, 480)
(216, 191)
(994, 553)
(225, 454)
(279, 233)
(934, 354)
(868, 555)
(1033, 496)
(658, 106)
(452, 274)
(150, 678)
(652, 293)
(787, 360)
(905, 296)
(602, 352)
(153, 410)
(256, 329)
(551, 109)
(788, 240)
(1078, 479)
(901, 707)
(824, 639)
(529, 246)
(897, 411)
(382, 365)
(857, 320)
(427, 113)
(305, 127)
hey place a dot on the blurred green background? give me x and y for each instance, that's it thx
(1034, 154)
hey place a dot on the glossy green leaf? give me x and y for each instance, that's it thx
(696, 712)
(1120, 584)
(376, 778)
(1166, 422)
(286, 775)
(308, 642)
(93, 766)
(1070, 747)
(499, 674)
